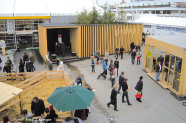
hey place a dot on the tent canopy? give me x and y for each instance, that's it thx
(7, 92)
(17, 8)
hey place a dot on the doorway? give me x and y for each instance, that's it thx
(52, 38)
(25, 41)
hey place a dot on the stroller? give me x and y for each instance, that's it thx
(103, 74)
(29, 66)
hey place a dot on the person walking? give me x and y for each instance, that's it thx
(122, 51)
(21, 66)
(121, 80)
(132, 46)
(37, 107)
(133, 56)
(93, 65)
(116, 64)
(138, 54)
(139, 88)
(117, 52)
(111, 66)
(125, 89)
(158, 70)
(113, 98)
(104, 73)
(31, 57)
(25, 58)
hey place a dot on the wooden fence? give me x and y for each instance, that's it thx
(31, 79)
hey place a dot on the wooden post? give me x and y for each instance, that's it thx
(20, 102)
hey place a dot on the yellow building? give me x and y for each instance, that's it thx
(171, 51)
(85, 40)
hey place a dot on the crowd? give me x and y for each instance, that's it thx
(26, 63)
(113, 68)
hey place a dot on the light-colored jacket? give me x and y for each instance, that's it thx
(138, 54)
(106, 55)
(60, 66)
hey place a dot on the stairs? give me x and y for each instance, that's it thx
(65, 59)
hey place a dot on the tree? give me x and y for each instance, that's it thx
(108, 17)
(121, 16)
(94, 16)
(82, 18)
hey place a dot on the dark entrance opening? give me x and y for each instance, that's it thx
(52, 38)
(25, 41)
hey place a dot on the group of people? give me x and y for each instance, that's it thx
(113, 69)
(135, 52)
(27, 61)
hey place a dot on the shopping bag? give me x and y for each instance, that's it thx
(138, 95)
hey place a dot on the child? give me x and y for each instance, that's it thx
(93, 65)
(138, 57)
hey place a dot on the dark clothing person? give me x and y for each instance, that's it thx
(103, 74)
(121, 52)
(139, 88)
(7, 68)
(131, 47)
(63, 49)
(93, 65)
(133, 55)
(38, 107)
(82, 114)
(125, 92)
(113, 99)
(25, 58)
(21, 67)
(121, 81)
(116, 64)
(59, 48)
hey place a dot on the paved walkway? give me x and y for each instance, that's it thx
(158, 105)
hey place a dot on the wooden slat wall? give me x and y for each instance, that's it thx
(109, 36)
(42, 41)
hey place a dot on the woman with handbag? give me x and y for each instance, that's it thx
(139, 88)
(138, 54)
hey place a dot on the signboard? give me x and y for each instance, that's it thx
(2, 44)
(149, 53)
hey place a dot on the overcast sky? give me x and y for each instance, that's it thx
(101, 2)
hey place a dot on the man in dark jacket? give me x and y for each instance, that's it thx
(139, 87)
(125, 89)
(121, 80)
(25, 58)
(117, 52)
(9, 61)
(133, 56)
(121, 52)
(131, 47)
(37, 107)
(116, 64)
(7, 68)
(113, 98)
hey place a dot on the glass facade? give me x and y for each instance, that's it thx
(24, 32)
(171, 66)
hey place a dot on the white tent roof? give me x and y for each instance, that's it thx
(30, 8)
(171, 21)
(7, 92)
(6, 8)
(44, 7)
